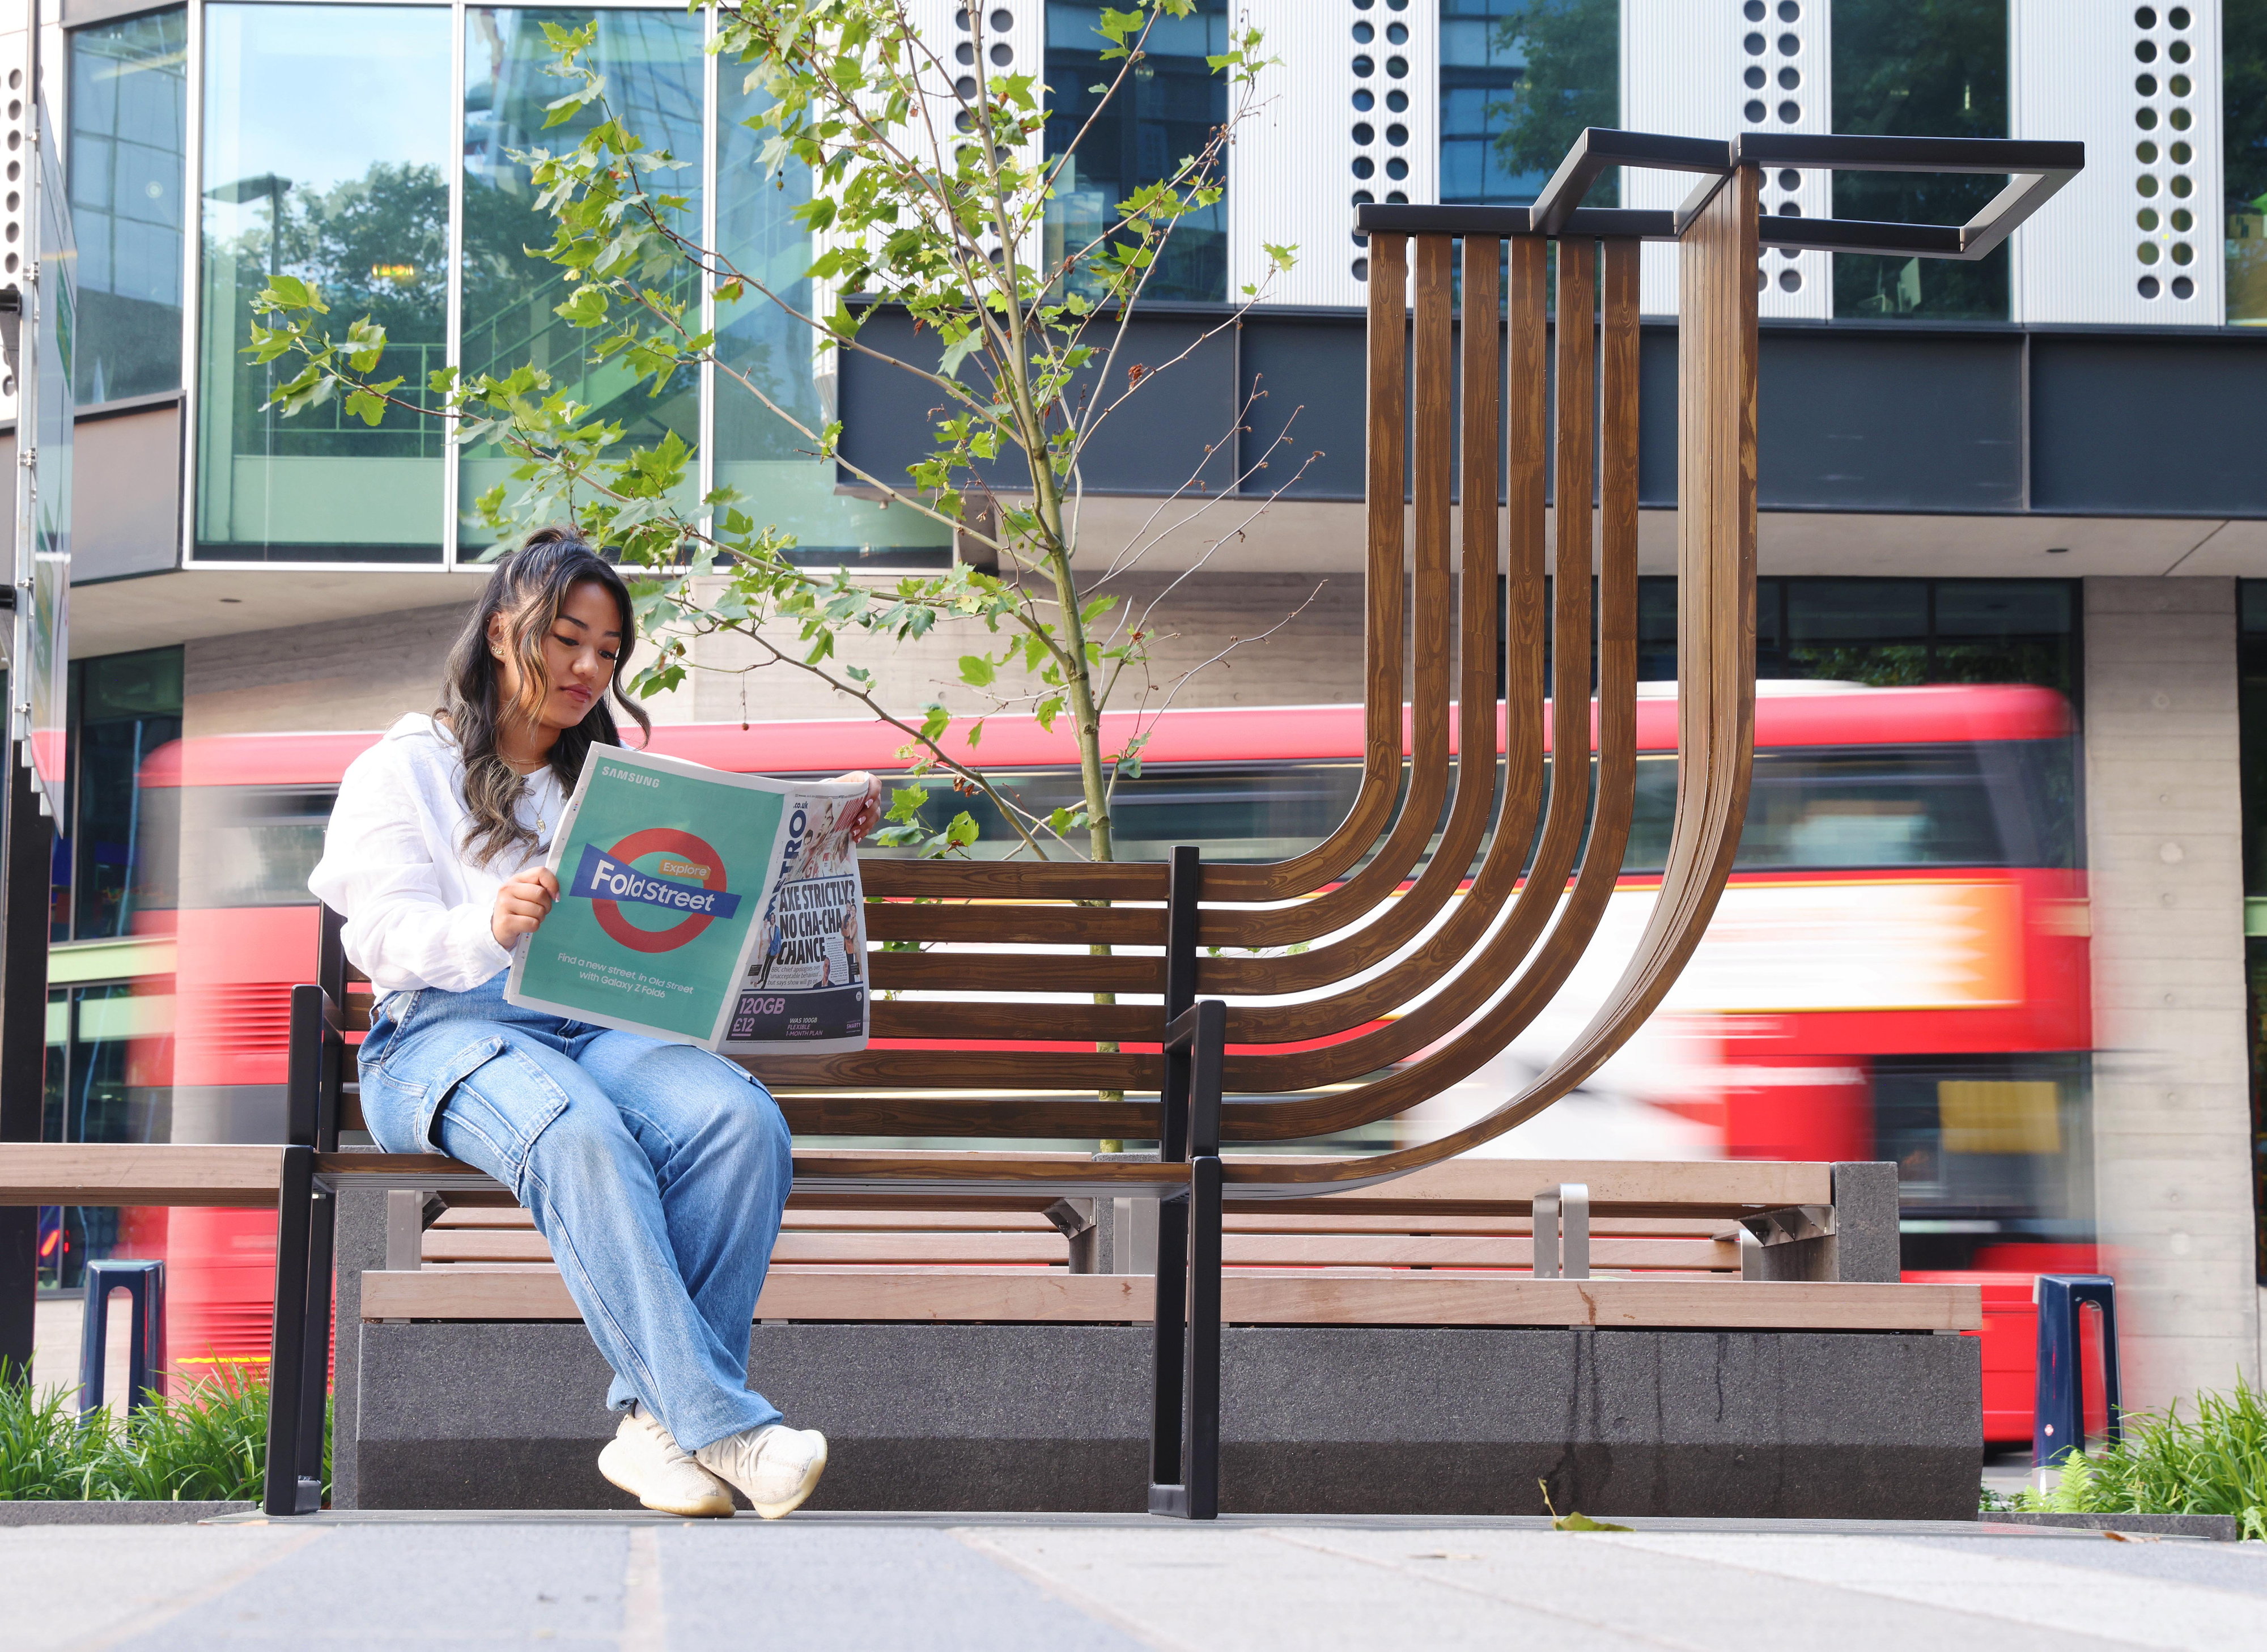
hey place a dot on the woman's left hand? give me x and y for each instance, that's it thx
(870, 812)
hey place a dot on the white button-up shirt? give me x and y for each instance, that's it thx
(417, 907)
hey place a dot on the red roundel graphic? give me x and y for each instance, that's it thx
(660, 840)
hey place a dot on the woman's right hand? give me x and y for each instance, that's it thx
(523, 903)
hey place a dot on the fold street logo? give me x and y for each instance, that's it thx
(608, 880)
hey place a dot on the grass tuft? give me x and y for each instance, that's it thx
(210, 1445)
(2215, 1464)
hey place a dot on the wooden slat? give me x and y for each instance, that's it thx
(1015, 973)
(1012, 924)
(854, 1294)
(909, 1249)
(957, 1018)
(1618, 1187)
(1013, 880)
(1432, 623)
(1246, 1219)
(958, 1069)
(1384, 437)
(88, 1173)
(933, 1249)
(1401, 920)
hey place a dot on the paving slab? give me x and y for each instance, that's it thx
(439, 1580)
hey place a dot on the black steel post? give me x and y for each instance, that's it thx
(315, 1353)
(288, 1348)
(27, 857)
(1200, 1380)
(1167, 1390)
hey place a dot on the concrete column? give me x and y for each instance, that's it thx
(2171, 1094)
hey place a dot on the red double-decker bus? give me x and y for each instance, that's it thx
(1898, 969)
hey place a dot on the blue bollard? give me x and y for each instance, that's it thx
(2058, 1417)
(144, 1282)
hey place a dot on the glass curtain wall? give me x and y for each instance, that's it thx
(325, 156)
(765, 355)
(1176, 103)
(1519, 81)
(100, 1088)
(129, 124)
(2243, 166)
(652, 63)
(1920, 69)
(117, 857)
(2251, 713)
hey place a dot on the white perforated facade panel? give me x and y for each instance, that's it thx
(972, 44)
(16, 238)
(1715, 69)
(1328, 133)
(2136, 238)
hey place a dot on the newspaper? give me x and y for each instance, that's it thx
(703, 908)
(804, 986)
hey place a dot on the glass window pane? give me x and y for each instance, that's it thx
(761, 347)
(1519, 81)
(129, 705)
(1166, 112)
(129, 120)
(2243, 124)
(651, 61)
(1938, 70)
(326, 142)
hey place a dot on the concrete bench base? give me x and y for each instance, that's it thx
(1316, 1420)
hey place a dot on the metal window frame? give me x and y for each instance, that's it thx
(185, 555)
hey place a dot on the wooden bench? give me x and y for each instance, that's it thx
(1706, 1266)
(1291, 1002)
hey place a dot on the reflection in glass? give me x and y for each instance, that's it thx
(42, 630)
(128, 706)
(1165, 113)
(1519, 81)
(651, 61)
(1939, 70)
(2243, 162)
(359, 207)
(100, 1088)
(758, 453)
(129, 118)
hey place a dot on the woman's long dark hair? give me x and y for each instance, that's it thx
(526, 589)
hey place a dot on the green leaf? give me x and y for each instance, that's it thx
(1578, 1521)
(977, 671)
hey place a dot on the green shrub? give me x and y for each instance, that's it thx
(210, 1445)
(2165, 1464)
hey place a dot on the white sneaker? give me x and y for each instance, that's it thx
(774, 1466)
(644, 1459)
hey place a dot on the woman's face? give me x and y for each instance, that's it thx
(579, 652)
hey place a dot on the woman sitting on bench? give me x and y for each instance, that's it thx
(658, 1171)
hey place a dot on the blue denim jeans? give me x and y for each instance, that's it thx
(658, 1171)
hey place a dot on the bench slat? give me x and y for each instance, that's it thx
(1241, 1219)
(135, 1173)
(1477, 1186)
(854, 1294)
(446, 1246)
(1378, 1251)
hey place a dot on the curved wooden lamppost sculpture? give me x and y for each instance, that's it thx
(1478, 952)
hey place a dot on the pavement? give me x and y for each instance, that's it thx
(1071, 1583)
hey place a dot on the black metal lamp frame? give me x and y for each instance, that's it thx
(2035, 170)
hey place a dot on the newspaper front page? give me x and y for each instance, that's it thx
(805, 984)
(671, 922)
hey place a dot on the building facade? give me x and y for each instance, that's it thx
(2040, 467)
